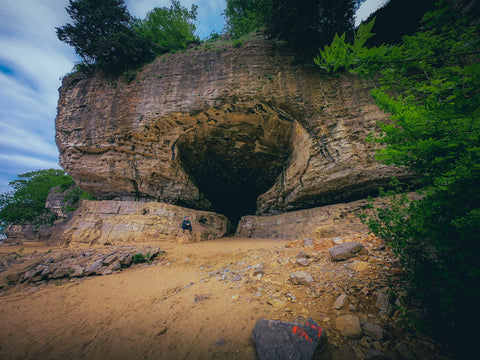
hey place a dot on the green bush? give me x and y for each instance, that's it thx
(138, 258)
(430, 84)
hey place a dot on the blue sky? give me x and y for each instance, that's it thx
(32, 63)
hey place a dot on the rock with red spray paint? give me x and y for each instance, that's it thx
(278, 340)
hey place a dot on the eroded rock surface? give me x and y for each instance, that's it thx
(111, 222)
(237, 131)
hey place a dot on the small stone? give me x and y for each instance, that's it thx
(359, 266)
(373, 330)
(220, 342)
(340, 302)
(291, 297)
(115, 266)
(349, 326)
(383, 303)
(127, 260)
(345, 251)
(202, 297)
(357, 350)
(301, 255)
(308, 242)
(301, 278)
(109, 260)
(374, 354)
(62, 272)
(338, 240)
(77, 271)
(276, 302)
(303, 262)
(237, 278)
(364, 342)
(258, 269)
(405, 352)
(94, 268)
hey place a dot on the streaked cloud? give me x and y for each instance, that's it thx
(32, 62)
(368, 7)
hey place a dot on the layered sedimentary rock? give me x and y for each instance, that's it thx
(111, 222)
(316, 223)
(235, 130)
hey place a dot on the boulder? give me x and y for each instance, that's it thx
(278, 340)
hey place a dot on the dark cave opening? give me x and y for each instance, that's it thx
(233, 166)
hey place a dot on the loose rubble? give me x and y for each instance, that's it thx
(68, 264)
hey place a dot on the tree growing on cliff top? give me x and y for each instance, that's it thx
(169, 29)
(102, 33)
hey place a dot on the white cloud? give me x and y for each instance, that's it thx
(29, 163)
(368, 7)
(32, 61)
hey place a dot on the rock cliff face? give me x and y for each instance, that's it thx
(235, 130)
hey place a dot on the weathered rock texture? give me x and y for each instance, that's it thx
(326, 221)
(237, 131)
(111, 222)
(27, 232)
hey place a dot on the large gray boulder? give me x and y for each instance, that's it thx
(278, 340)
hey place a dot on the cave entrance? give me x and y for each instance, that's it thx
(233, 164)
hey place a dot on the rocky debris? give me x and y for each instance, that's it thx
(72, 264)
(353, 306)
(345, 251)
(278, 340)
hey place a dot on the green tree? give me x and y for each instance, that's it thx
(304, 24)
(169, 29)
(244, 16)
(310, 24)
(430, 84)
(102, 33)
(26, 203)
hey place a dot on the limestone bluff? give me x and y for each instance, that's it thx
(238, 131)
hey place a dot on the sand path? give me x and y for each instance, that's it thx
(175, 308)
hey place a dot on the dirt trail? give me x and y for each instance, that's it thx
(197, 301)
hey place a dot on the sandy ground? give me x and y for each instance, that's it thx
(197, 301)
(171, 309)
